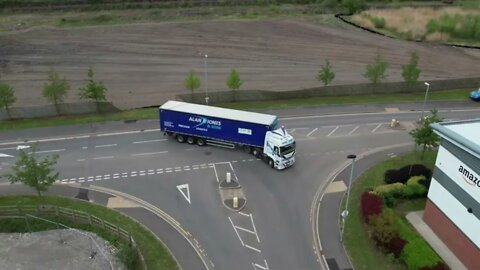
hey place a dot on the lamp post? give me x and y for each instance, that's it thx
(206, 80)
(345, 212)
(424, 101)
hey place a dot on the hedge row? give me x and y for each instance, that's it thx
(412, 189)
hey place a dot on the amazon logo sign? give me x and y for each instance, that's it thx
(469, 177)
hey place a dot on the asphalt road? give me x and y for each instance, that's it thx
(274, 231)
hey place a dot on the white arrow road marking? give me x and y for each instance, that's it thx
(187, 196)
(5, 155)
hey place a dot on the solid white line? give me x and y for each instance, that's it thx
(105, 145)
(245, 230)
(375, 129)
(151, 153)
(81, 181)
(127, 132)
(216, 175)
(311, 132)
(331, 132)
(116, 174)
(81, 178)
(115, 177)
(9, 148)
(106, 175)
(252, 248)
(291, 130)
(241, 213)
(254, 228)
(50, 151)
(106, 157)
(259, 266)
(149, 141)
(353, 130)
(151, 171)
(238, 235)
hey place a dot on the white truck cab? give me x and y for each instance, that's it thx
(279, 149)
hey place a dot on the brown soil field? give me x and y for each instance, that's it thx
(145, 64)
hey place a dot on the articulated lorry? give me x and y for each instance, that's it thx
(255, 133)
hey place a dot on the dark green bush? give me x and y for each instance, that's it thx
(353, 6)
(128, 255)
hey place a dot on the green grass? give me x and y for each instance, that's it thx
(362, 251)
(457, 94)
(152, 113)
(136, 114)
(155, 254)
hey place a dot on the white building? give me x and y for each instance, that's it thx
(453, 205)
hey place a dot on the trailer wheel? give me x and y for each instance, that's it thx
(247, 149)
(180, 138)
(190, 140)
(200, 142)
(270, 162)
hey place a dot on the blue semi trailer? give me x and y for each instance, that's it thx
(255, 133)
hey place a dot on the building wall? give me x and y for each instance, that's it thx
(452, 236)
(455, 188)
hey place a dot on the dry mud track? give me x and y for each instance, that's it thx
(145, 64)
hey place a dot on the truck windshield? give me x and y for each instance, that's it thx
(287, 149)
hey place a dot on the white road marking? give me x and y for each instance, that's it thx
(81, 160)
(245, 230)
(377, 127)
(353, 130)
(51, 151)
(84, 147)
(254, 228)
(238, 235)
(263, 267)
(81, 181)
(252, 248)
(105, 145)
(159, 170)
(127, 132)
(149, 141)
(241, 213)
(331, 132)
(106, 157)
(216, 175)
(5, 155)
(311, 132)
(185, 195)
(177, 169)
(151, 153)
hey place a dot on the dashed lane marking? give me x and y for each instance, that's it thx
(105, 145)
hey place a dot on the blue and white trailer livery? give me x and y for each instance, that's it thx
(255, 133)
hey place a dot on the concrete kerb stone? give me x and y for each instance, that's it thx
(321, 191)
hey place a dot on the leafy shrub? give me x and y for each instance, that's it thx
(371, 204)
(352, 6)
(457, 26)
(382, 225)
(416, 253)
(396, 245)
(403, 174)
(378, 22)
(414, 189)
(389, 188)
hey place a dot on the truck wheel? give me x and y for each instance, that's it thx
(256, 152)
(270, 162)
(247, 149)
(180, 138)
(190, 140)
(200, 142)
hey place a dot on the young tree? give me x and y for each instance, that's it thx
(7, 97)
(326, 75)
(33, 172)
(192, 82)
(376, 71)
(424, 135)
(55, 89)
(410, 71)
(93, 90)
(233, 82)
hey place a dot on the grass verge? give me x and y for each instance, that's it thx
(361, 249)
(152, 113)
(155, 254)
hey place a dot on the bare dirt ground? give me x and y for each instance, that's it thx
(145, 64)
(56, 249)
